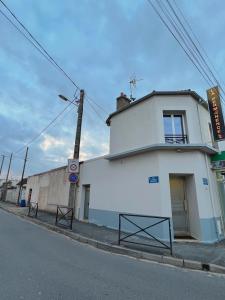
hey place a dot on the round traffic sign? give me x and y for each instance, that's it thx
(73, 178)
(73, 167)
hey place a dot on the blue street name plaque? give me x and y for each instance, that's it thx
(205, 181)
(153, 179)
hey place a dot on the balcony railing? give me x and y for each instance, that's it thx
(176, 139)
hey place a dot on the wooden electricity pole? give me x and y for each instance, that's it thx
(7, 177)
(21, 181)
(3, 158)
(73, 186)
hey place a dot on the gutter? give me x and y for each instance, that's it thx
(156, 258)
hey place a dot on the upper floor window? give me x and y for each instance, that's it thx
(174, 128)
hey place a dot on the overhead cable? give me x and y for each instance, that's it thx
(184, 39)
(167, 26)
(195, 46)
(45, 128)
(44, 52)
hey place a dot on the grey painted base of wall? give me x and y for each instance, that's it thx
(209, 232)
(110, 219)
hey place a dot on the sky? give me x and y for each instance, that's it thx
(101, 44)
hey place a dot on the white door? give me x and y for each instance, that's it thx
(179, 205)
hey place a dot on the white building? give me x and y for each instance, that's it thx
(12, 190)
(158, 164)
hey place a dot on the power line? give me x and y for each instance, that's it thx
(21, 32)
(64, 113)
(190, 38)
(48, 159)
(181, 36)
(30, 158)
(58, 115)
(189, 51)
(50, 58)
(39, 47)
(39, 44)
(14, 156)
(205, 64)
(46, 127)
(91, 99)
(167, 26)
(195, 46)
(93, 108)
(197, 39)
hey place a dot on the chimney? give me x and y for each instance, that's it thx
(122, 101)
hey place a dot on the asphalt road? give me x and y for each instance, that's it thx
(38, 264)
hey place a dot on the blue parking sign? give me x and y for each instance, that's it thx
(73, 178)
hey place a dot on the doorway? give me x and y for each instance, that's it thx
(179, 206)
(86, 201)
(29, 196)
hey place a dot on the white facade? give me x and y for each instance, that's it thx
(12, 191)
(142, 124)
(49, 189)
(121, 181)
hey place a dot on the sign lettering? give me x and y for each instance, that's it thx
(153, 179)
(216, 114)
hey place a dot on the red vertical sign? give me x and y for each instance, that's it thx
(216, 113)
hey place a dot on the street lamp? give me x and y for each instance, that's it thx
(63, 98)
(66, 99)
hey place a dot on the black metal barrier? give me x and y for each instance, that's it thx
(33, 209)
(64, 216)
(144, 229)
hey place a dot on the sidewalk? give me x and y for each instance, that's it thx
(192, 251)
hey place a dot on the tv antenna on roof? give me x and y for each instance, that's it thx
(133, 82)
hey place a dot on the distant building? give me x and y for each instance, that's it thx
(12, 192)
(158, 164)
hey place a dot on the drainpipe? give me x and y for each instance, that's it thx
(208, 174)
(210, 193)
(200, 125)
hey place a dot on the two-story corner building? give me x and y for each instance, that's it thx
(158, 164)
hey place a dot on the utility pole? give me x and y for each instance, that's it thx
(73, 186)
(7, 177)
(21, 181)
(3, 158)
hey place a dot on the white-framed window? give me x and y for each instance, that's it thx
(174, 128)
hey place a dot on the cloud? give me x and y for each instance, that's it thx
(100, 44)
(50, 142)
(92, 147)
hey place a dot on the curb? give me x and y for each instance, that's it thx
(169, 260)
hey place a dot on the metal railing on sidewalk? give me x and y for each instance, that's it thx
(141, 231)
(64, 216)
(33, 209)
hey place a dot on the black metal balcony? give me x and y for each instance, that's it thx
(176, 139)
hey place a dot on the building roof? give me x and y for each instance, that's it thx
(198, 98)
(48, 171)
(24, 181)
